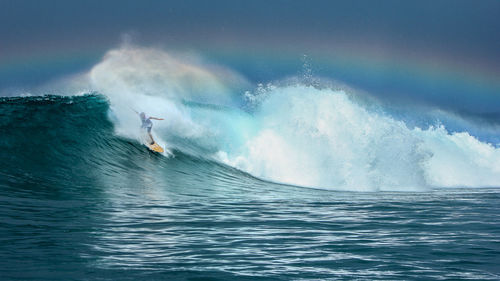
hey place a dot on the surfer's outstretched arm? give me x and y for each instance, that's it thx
(155, 118)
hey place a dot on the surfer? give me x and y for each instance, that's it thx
(147, 124)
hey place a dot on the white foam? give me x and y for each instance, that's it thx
(459, 159)
(322, 138)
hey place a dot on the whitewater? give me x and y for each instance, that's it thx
(288, 131)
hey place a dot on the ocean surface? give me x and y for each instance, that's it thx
(284, 181)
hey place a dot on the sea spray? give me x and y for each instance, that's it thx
(322, 138)
(154, 81)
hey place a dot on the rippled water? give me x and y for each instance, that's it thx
(264, 231)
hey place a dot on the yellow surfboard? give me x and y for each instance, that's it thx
(155, 147)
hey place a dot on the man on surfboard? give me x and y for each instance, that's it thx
(147, 124)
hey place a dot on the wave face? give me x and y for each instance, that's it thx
(292, 133)
(70, 142)
(51, 135)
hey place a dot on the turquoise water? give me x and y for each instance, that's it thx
(79, 201)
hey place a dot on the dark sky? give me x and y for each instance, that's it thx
(453, 27)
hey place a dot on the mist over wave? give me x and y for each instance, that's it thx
(292, 133)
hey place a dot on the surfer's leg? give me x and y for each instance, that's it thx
(150, 136)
